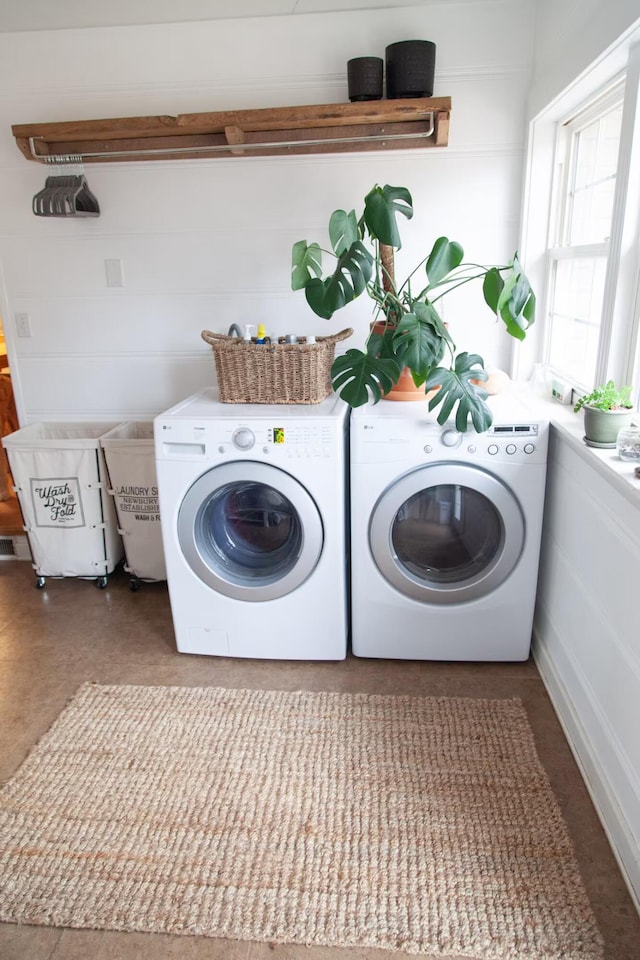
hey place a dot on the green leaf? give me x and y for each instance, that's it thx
(511, 299)
(456, 388)
(511, 305)
(445, 256)
(607, 397)
(427, 313)
(348, 281)
(492, 288)
(306, 261)
(417, 343)
(529, 310)
(357, 375)
(381, 205)
(343, 230)
(381, 345)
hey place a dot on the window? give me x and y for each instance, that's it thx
(579, 255)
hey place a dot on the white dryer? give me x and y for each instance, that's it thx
(445, 534)
(254, 524)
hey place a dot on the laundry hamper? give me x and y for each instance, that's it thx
(131, 466)
(60, 479)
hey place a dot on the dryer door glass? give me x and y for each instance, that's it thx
(250, 531)
(447, 533)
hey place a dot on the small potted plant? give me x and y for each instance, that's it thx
(408, 332)
(607, 410)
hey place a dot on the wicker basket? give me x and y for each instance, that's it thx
(273, 372)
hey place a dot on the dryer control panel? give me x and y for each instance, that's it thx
(387, 440)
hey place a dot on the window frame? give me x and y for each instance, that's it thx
(610, 97)
(619, 338)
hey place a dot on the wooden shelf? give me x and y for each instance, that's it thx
(330, 128)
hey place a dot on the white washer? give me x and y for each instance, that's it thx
(445, 533)
(254, 525)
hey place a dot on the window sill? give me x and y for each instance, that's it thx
(569, 426)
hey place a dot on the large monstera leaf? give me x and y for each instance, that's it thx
(512, 299)
(343, 230)
(356, 375)
(347, 282)
(381, 206)
(306, 263)
(419, 341)
(455, 387)
(445, 256)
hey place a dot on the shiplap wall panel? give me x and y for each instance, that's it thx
(490, 33)
(205, 243)
(131, 388)
(586, 634)
(297, 194)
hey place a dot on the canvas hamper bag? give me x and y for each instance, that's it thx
(130, 458)
(61, 483)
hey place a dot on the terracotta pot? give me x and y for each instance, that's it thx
(405, 389)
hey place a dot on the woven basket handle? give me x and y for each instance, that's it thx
(213, 338)
(335, 337)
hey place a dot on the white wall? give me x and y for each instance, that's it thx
(205, 243)
(586, 625)
(571, 36)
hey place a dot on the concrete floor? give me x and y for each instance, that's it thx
(53, 640)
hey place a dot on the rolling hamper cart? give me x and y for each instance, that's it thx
(60, 479)
(131, 466)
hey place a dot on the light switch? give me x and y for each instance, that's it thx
(115, 277)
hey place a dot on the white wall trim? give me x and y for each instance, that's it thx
(478, 73)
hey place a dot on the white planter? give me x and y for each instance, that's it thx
(601, 427)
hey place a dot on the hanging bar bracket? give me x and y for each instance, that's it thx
(231, 148)
(332, 128)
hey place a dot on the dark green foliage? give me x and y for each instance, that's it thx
(415, 336)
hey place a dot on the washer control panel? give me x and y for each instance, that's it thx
(275, 440)
(291, 440)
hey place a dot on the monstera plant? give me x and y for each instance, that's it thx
(407, 331)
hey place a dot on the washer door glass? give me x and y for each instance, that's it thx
(250, 531)
(447, 533)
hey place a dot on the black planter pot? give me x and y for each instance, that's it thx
(364, 75)
(411, 66)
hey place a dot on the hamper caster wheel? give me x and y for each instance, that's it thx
(134, 584)
(40, 582)
(102, 582)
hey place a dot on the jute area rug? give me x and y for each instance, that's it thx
(416, 825)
